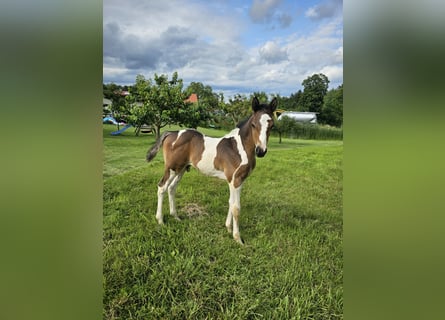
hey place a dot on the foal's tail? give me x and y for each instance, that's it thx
(151, 153)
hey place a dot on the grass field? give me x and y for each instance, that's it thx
(291, 222)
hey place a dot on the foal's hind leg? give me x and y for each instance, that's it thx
(172, 193)
(169, 176)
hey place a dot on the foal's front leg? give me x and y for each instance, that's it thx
(234, 211)
(229, 218)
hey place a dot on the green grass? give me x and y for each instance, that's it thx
(291, 222)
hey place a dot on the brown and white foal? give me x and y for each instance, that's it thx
(231, 158)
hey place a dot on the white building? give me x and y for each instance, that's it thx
(308, 117)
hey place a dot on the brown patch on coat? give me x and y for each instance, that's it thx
(180, 151)
(242, 173)
(227, 157)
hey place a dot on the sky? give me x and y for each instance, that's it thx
(233, 46)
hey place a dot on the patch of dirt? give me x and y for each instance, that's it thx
(193, 210)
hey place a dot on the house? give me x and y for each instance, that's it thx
(107, 103)
(192, 99)
(106, 106)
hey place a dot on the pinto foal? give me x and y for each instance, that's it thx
(231, 158)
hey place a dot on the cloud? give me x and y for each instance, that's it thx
(327, 9)
(262, 10)
(270, 12)
(206, 45)
(285, 20)
(334, 74)
(270, 52)
(128, 49)
(281, 66)
(161, 36)
(177, 46)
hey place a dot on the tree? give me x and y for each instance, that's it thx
(192, 115)
(315, 88)
(206, 98)
(157, 103)
(283, 125)
(332, 111)
(261, 95)
(295, 100)
(208, 103)
(110, 90)
(114, 92)
(238, 108)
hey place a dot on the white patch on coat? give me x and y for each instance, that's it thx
(240, 147)
(205, 165)
(241, 151)
(264, 121)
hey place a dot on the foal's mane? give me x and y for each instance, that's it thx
(244, 121)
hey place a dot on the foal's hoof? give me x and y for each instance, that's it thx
(238, 239)
(177, 218)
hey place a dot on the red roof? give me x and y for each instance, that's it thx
(193, 98)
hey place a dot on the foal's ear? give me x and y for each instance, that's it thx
(273, 104)
(255, 104)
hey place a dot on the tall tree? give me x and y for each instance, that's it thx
(289, 103)
(157, 103)
(295, 100)
(315, 88)
(332, 111)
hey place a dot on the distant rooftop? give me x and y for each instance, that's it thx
(193, 98)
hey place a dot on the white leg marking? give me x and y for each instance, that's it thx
(172, 193)
(161, 192)
(229, 214)
(159, 209)
(235, 207)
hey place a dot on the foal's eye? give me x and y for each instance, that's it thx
(253, 125)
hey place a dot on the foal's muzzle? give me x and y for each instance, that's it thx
(260, 152)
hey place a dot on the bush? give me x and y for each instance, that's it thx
(290, 128)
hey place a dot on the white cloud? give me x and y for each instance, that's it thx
(162, 37)
(165, 34)
(281, 67)
(269, 12)
(270, 52)
(334, 74)
(263, 10)
(326, 9)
